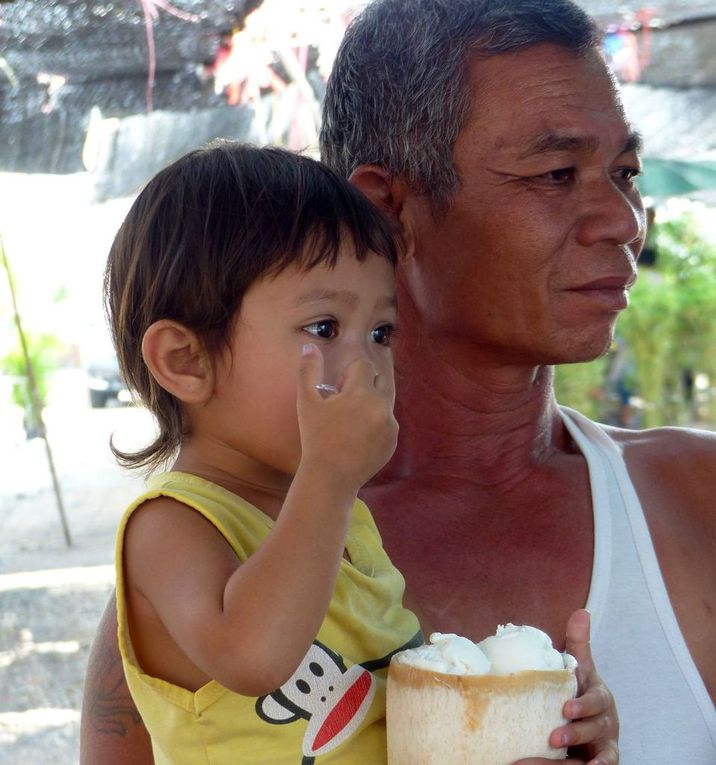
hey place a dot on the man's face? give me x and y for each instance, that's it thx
(532, 261)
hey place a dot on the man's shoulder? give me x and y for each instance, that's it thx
(674, 466)
(678, 446)
(658, 443)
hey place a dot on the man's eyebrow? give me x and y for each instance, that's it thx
(634, 142)
(558, 142)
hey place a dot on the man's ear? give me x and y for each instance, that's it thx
(393, 196)
(178, 361)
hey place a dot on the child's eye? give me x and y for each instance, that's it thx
(325, 329)
(382, 334)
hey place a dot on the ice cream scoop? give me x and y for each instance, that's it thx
(450, 654)
(514, 649)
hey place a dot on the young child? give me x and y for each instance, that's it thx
(250, 296)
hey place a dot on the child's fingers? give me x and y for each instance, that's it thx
(578, 644)
(360, 373)
(385, 383)
(570, 761)
(597, 727)
(310, 371)
(608, 756)
(547, 761)
(587, 731)
(596, 700)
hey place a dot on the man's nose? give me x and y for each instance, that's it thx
(612, 214)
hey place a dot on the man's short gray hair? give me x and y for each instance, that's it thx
(399, 94)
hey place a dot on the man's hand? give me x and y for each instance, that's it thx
(593, 734)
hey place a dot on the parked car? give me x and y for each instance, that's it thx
(105, 383)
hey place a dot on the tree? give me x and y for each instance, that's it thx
(669, 329)
(44, 351)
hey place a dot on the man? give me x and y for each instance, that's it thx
(492, 133)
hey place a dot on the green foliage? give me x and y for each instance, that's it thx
(581, 386)
(671, 324)
(669, 328)
(44, 351)
(691, 262)
(648, 329)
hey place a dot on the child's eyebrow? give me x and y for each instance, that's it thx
(320, 295)
(346, 297)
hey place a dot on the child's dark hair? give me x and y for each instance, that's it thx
(201, 232)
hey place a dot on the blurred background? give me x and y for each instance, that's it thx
(95, 97)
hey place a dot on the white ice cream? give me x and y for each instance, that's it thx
(514, 649)
(511, 649)
(449, 654)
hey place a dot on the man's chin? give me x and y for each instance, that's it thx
(582, 353)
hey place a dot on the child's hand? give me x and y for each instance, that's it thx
(593, 733)
(352, 433)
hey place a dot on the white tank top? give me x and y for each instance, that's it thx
(666, 715)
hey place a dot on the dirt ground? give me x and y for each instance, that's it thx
(51, 595)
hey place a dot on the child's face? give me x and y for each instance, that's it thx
(348, 312)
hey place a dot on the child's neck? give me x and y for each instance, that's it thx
(255, 482)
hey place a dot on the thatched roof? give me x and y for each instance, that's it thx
(60, 58)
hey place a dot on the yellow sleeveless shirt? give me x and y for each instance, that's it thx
(332, 710)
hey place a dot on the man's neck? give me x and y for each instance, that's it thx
(484, 468)
(487, 422)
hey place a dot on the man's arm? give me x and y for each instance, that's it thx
(111, 731)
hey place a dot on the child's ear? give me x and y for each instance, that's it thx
(178, 361)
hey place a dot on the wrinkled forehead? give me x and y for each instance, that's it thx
(543, 88)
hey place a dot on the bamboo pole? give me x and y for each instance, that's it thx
(34, 397)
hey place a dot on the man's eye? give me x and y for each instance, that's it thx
(627, 173)
(383, 334)
(562, 175)
(325, 329)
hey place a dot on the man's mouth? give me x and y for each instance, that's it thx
(611, 291)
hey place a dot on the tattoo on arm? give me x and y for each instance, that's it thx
(110, 706)
(107, 704)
